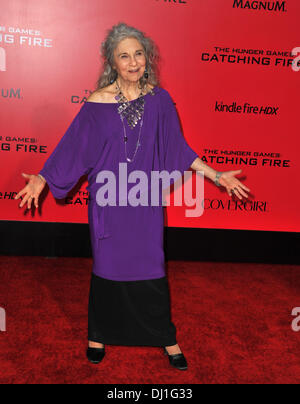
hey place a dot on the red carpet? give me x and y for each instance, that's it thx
(233, 323)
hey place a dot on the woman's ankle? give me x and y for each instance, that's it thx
(173, 349)
(93, 344)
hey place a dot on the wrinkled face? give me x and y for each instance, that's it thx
(130, 59)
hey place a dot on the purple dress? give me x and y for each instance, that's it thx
(127, 241)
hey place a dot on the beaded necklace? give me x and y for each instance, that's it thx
(133, 112)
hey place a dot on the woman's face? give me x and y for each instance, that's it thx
(130, 60)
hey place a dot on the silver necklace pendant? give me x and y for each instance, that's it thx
(132, 111)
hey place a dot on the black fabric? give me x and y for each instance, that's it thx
(130, 312)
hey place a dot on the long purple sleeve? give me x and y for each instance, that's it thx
(178, 154)
(74, 156)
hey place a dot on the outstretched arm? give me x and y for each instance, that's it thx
(227, 178)
(75, 155)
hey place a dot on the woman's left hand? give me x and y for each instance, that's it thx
(232, 184)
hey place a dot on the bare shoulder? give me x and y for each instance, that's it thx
(107, 94)
(103, 95)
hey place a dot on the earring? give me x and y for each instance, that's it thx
(146, 75)
(113, 79)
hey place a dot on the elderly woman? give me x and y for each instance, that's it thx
(127, 119)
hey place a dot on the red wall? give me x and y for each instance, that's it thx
(44, 82)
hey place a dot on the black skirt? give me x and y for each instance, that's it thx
(130, 312)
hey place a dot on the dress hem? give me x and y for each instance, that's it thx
(134, 279)
(124, 343)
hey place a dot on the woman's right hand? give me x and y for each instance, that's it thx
(32, 190)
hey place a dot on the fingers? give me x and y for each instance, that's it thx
(233, 185)
(21, 193)
(242, 193)
(24, 200)
(240, 183)
(238, 192)
(28, 199)
(32, 200)
(29, 202)
(36, 201)
(25, 189)
(244, 187)
(31, 196)
(235, 192)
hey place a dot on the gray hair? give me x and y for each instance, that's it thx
(115, 35)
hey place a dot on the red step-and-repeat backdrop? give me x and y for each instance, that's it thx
(232, 67)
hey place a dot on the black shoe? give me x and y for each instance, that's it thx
(177, 360)
(95, 355)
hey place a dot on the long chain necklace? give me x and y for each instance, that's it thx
(132, 111)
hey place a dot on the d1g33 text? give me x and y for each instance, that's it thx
(162, 394)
